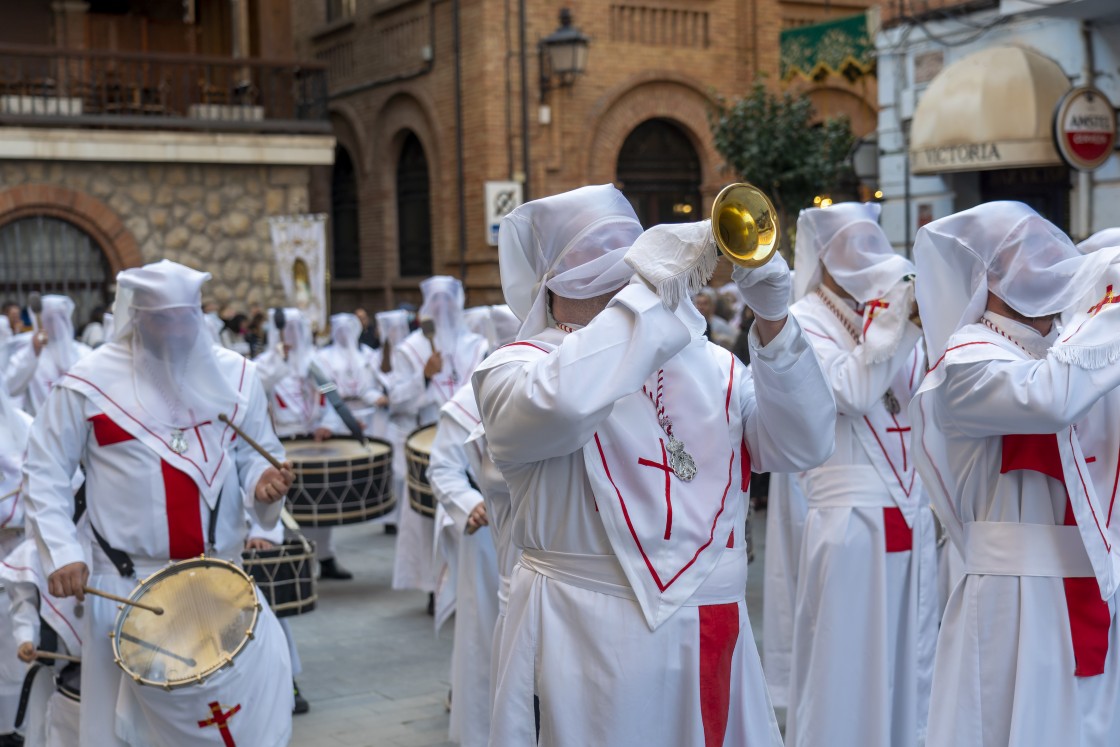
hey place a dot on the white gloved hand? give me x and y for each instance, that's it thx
(676, 259)
(766, 289)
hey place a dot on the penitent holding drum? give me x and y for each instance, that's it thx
(166, 482)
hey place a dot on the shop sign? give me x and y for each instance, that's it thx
(1085, 128)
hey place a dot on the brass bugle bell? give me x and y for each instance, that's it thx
(745, 225)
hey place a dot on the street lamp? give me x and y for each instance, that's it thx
(563, 55)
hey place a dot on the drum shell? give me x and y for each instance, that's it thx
(69, 681)
(420, 495)
(334, 491)
(285, 575)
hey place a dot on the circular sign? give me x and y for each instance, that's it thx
(1085, 128)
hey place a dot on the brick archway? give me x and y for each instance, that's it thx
(87, 213)
(678, 101)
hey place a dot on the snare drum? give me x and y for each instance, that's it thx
(210, 612)
(340, 481)
(418, 452)
(285, 576)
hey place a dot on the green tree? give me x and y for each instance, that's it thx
(770, 141)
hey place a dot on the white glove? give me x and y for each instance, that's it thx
(676, 259)
(765, 289)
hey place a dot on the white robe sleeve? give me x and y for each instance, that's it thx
(448, 472)
(55, 445)
(275, 535)
(21, 370)
(250, 464)
(1002, 397)
(858, 385)
(24, 599)
(551, 405)
(272, 369)
(788, 413)
(409, 392)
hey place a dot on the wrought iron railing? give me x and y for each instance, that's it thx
(47, 86)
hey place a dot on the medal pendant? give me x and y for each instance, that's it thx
(680, 461)
(891, 403)
(178, 442)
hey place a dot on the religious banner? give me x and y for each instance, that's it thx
(300, 244)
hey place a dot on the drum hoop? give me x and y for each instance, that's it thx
(381, 509)
(145, 583)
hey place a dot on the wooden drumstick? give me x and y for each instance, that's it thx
(260, 449)
(53, 655)
(122, 600)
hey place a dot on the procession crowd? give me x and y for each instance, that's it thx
(569, 477)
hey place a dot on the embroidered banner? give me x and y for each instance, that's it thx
(300, 245)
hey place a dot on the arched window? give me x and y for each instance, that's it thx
(344, 216)
(414, 209)
(49, 255)
(660, 173)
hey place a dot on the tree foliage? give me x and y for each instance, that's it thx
(770, 141)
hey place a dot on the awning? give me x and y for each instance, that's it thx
(991, 110)
(841, 47)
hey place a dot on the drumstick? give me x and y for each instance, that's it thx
(122, 600)
(153, 647)
(260, 449)
(53, 655)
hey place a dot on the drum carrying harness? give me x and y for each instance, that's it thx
(123, 563)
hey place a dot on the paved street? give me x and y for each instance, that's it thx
(374, 672)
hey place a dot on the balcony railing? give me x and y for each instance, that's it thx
(41, 86)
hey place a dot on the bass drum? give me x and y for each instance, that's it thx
(284, 573)
(418, 453)
(340, 480)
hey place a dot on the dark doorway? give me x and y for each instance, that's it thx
(660, 173)
(414, 209)
(1046, 189)
(344, 216)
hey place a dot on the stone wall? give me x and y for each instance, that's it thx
(209, 216)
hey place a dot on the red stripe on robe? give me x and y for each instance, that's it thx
(108, 432)
(719, 632)
(897, 532)
(184, 515)
(1089, 619)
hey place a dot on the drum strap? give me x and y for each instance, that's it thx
(25, 693)
(48, 639)
(123, 563)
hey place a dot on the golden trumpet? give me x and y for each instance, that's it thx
(745, 225)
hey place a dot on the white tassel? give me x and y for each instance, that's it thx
(1089, 358)
(688, 282)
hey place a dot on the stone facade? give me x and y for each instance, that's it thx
(211, 217)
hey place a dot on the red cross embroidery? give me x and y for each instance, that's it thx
(901, 431)
(221, 720)
(663, 465)
(872, 308)
(1108, 299)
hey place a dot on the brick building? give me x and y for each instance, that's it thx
(133, 130)
(409, 182)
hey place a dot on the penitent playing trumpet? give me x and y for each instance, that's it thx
(745, 225)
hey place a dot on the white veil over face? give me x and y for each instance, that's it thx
(296, 337)
(392, 326)
(345, 331)
(571, 243)
(158, 315)
(57, 320)
(443, 305)
(1003, 247)
(847, 240)
(1100, 240)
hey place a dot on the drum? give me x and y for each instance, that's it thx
(418, 453)
(210, 612)
(285, 575)
(69, 681)
(340, 481)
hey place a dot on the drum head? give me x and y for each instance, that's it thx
(421, 439)
(306, 450)
(210, 611)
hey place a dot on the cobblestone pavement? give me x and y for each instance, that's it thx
(374, 671)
